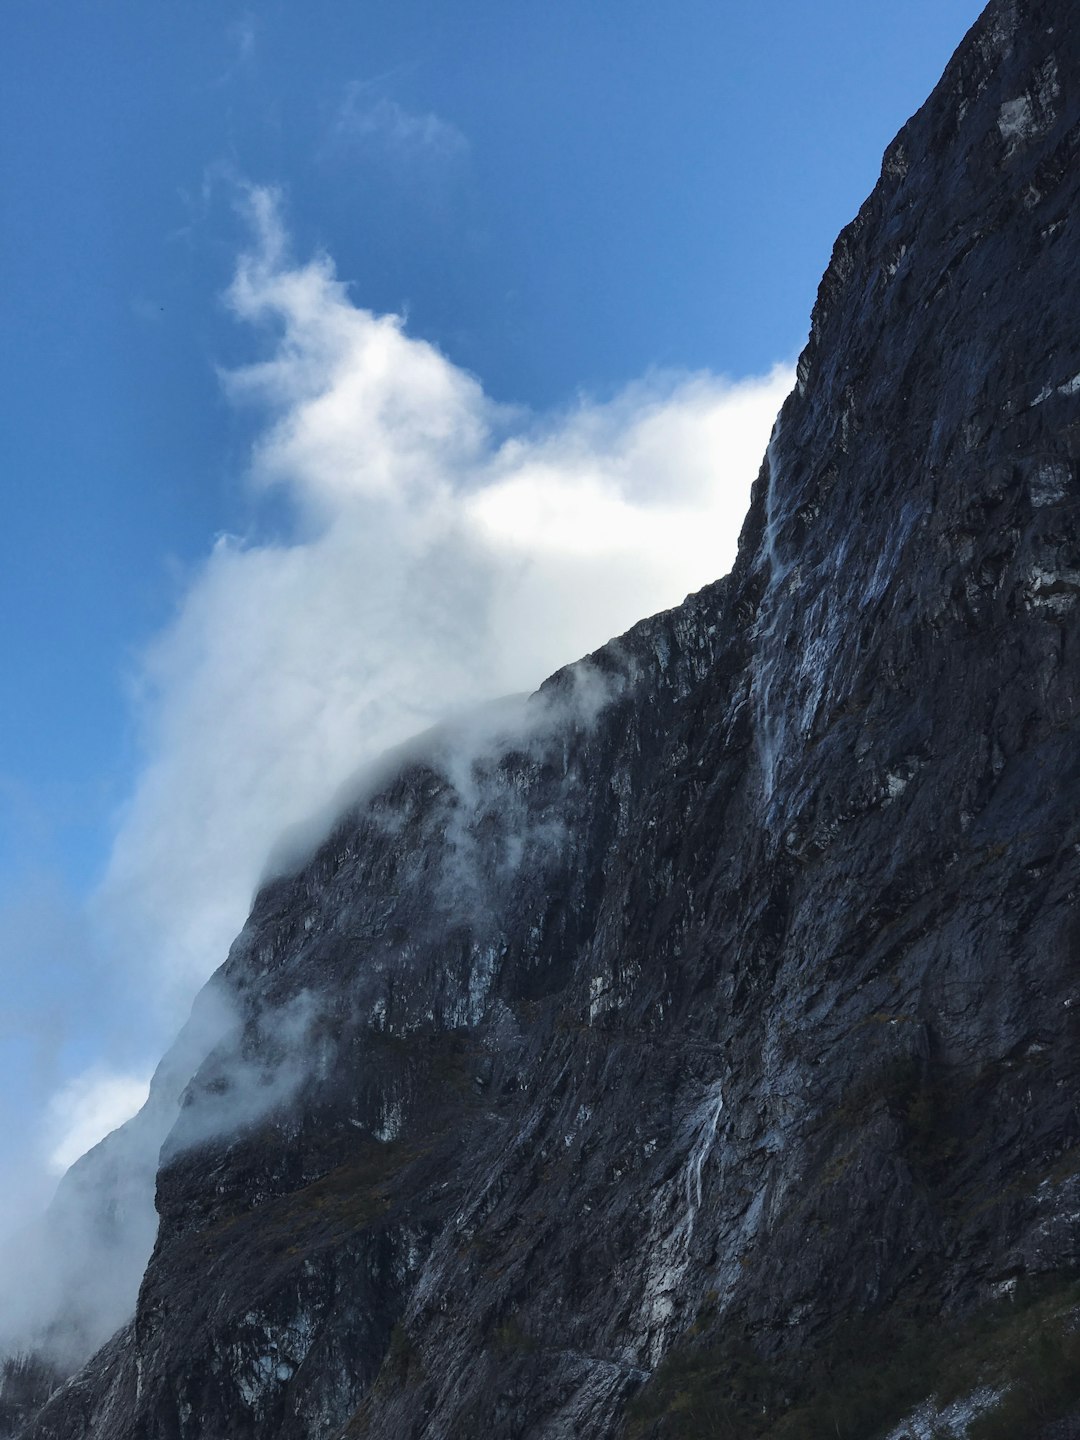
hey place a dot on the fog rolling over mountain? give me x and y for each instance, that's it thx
(692, 1049)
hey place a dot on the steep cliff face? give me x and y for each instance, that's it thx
(621, 1049)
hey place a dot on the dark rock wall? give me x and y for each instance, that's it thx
(732, 982)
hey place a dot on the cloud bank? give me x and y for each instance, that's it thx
(441, 549)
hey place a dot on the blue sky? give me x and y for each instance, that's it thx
(592, 211)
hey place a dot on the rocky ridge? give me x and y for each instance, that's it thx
(617, 1050)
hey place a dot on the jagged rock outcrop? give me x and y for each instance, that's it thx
(724, 998)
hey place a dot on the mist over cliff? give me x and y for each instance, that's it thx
(691, 1048)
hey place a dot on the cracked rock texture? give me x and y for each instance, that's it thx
(735, 975)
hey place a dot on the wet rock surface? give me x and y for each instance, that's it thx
(730, 985)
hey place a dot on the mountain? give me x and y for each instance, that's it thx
(693, 1048)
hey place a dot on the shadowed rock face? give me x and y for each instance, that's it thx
(731, 983)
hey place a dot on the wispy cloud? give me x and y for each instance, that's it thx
(241, 37)
(372, 122)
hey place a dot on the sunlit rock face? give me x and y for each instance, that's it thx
(725, 993)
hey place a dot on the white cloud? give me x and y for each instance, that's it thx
(242, 34)
(369, 121)
(445, 550)
(86, 1109)
(240, 37)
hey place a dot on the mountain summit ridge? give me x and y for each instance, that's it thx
(603, 1069)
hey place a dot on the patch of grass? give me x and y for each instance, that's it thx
(352, 1195)
(402, 1359)
(453, 1060)
(920, 1100)
(871, 1372)
(348, 1198)
(704, 1391)
(1044, 1380)
(401, 1365)
(510, 1337)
